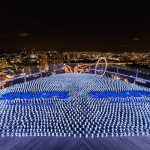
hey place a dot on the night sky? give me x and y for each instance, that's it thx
(72, 25)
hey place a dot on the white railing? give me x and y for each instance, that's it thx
(133, 74)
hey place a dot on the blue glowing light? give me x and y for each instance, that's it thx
(78, 105)
(32, 95)
(119, 94)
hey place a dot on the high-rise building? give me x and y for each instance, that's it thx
(3, 63)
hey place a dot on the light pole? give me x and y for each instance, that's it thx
(1, 83)
(117, 70)
(137, 71)
(24, 75)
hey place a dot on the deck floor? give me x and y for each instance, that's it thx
(69, 143)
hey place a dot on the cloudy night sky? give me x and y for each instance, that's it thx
(73, 25)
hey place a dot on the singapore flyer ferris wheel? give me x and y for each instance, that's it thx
(101, 66)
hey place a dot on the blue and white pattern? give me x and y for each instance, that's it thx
(79, 114)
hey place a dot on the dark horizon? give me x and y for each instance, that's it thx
(122, 26)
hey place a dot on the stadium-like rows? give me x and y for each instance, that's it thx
(78, 115)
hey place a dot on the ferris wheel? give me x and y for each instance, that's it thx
(101, 66)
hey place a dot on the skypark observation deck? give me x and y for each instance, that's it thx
(82, 105)
(75, 105)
